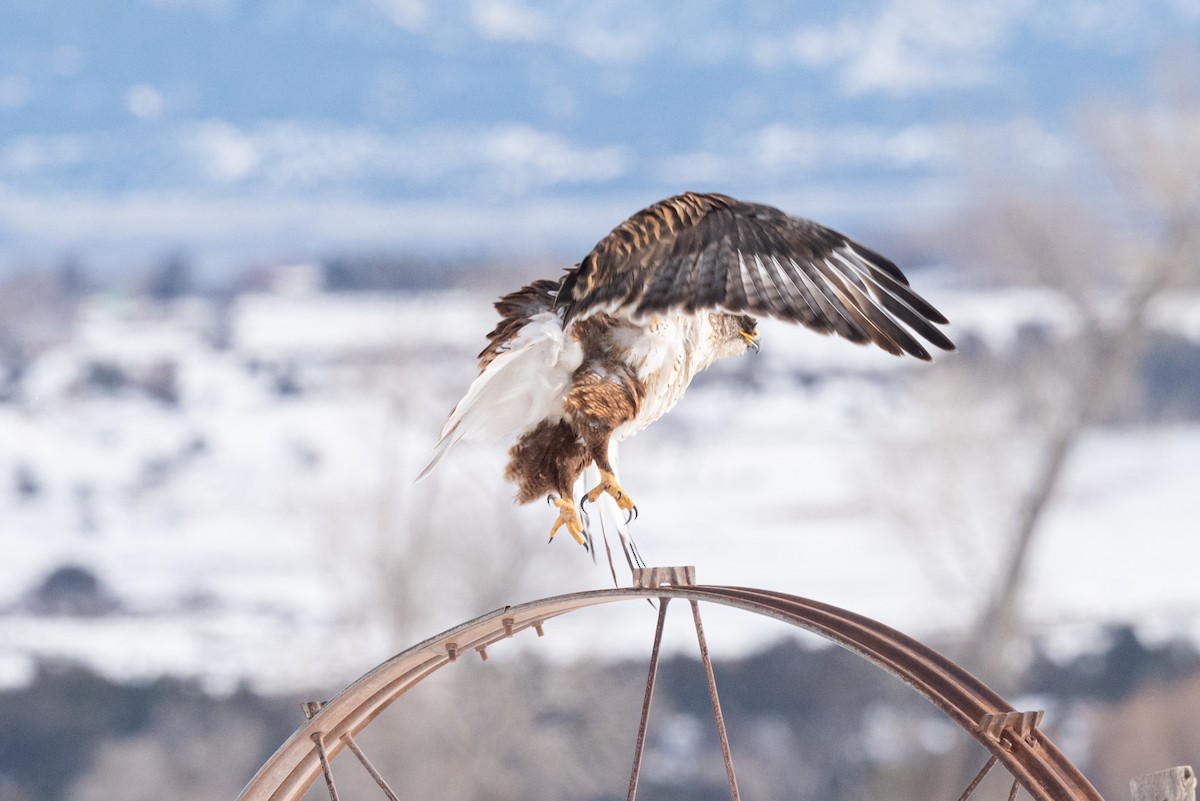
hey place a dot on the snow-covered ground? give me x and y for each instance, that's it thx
(241, 480)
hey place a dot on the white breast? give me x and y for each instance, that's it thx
(666, 354)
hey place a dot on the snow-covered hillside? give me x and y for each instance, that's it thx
(226, 490)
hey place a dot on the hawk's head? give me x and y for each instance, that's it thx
(735, 334)
(748, 332)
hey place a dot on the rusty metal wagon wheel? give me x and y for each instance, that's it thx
(1012, 738)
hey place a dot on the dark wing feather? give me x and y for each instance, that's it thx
(706, 251)
(516, 309)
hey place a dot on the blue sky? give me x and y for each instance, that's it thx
(242, 131)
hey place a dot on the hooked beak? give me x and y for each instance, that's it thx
(751, 341)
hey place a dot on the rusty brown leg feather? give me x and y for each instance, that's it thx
(548, 460)
(602, 397)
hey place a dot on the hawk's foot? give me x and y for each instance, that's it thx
(569, 517)
(608, 483)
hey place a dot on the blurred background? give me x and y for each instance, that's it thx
(247, 254)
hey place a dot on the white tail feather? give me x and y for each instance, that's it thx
(611, 516)
(519, 388)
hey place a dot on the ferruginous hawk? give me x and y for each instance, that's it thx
(579, 363)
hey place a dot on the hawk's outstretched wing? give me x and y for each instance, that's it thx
(707, 251)
(516, 310)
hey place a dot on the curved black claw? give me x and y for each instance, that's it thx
(587, 519)
(631, 515)
(551, 498)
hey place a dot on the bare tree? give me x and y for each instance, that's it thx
(1156, 154)
(1007, 427)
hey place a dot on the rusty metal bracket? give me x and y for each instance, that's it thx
(310, 708)
(651, 577)
(1007, 728)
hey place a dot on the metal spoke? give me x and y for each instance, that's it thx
(1012, 737)
(639, 745)
(978, 778)
(318, 739)
(716, 704)
(1013, 792)
(310, 708)
(366, 763)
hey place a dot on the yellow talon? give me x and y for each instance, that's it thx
(567, 516)
(608, 483)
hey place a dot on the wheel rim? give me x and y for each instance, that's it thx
(1012, 737)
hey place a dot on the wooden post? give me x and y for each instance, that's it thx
(1175, 784)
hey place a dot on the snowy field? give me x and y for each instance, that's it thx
(240, 481)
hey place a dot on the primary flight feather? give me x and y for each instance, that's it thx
(579, 363)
